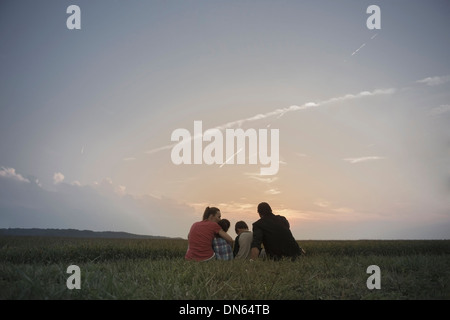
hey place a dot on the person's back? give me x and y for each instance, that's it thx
(277, 239)
(200, 240)
(202, 233)
(273, 232)
(242, 244)
(221, 247)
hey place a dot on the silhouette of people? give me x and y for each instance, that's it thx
(273, 232)
(221, 247)
(201, 236)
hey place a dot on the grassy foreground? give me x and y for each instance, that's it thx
(36, 268)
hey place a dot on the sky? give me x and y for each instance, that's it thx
(87, 116)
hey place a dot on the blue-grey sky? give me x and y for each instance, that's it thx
(86, 116)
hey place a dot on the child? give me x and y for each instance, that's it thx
(222, 248)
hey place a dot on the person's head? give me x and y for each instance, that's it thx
(264, 209)
(225, 224)
(240, 226)
(212, 213)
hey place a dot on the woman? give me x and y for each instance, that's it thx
(201, 236)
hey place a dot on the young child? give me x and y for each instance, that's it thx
(243, 241)
(221, 247)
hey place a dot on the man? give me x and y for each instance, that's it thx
(272, 231)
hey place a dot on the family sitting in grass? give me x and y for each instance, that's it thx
(271, 238)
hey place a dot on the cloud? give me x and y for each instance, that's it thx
(362, 159)
(344, 210)
(443, 108)
(375, 92)
(121, 190)
(233, 210)
(38, 183)
(328, 207)
(273, 191)
(434, 81)
(311, 104)
(104, 207)
(322, 203)
(58, 177)
(106, 186)
(258, 177)
(10, 173)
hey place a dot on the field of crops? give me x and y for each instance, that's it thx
(36, 268)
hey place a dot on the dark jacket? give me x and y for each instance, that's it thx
(273, 232)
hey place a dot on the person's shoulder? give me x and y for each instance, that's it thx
(207, 224)
(258, 221)
(210, 223)
(283, 220)
(196, 223)
(261, 223)
(246, 235)
(213, 225)
(280, 217)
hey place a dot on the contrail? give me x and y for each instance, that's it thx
(363, 45)
(356, 51)
(362, 159)
(231, 157)
(160, 149)
(282, 111)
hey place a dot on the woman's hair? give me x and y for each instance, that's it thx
(240, 225)
(264, 209)
(225, 224)
(209, 211)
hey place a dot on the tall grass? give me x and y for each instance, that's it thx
(35, 268)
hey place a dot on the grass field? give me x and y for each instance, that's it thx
(36, 268)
